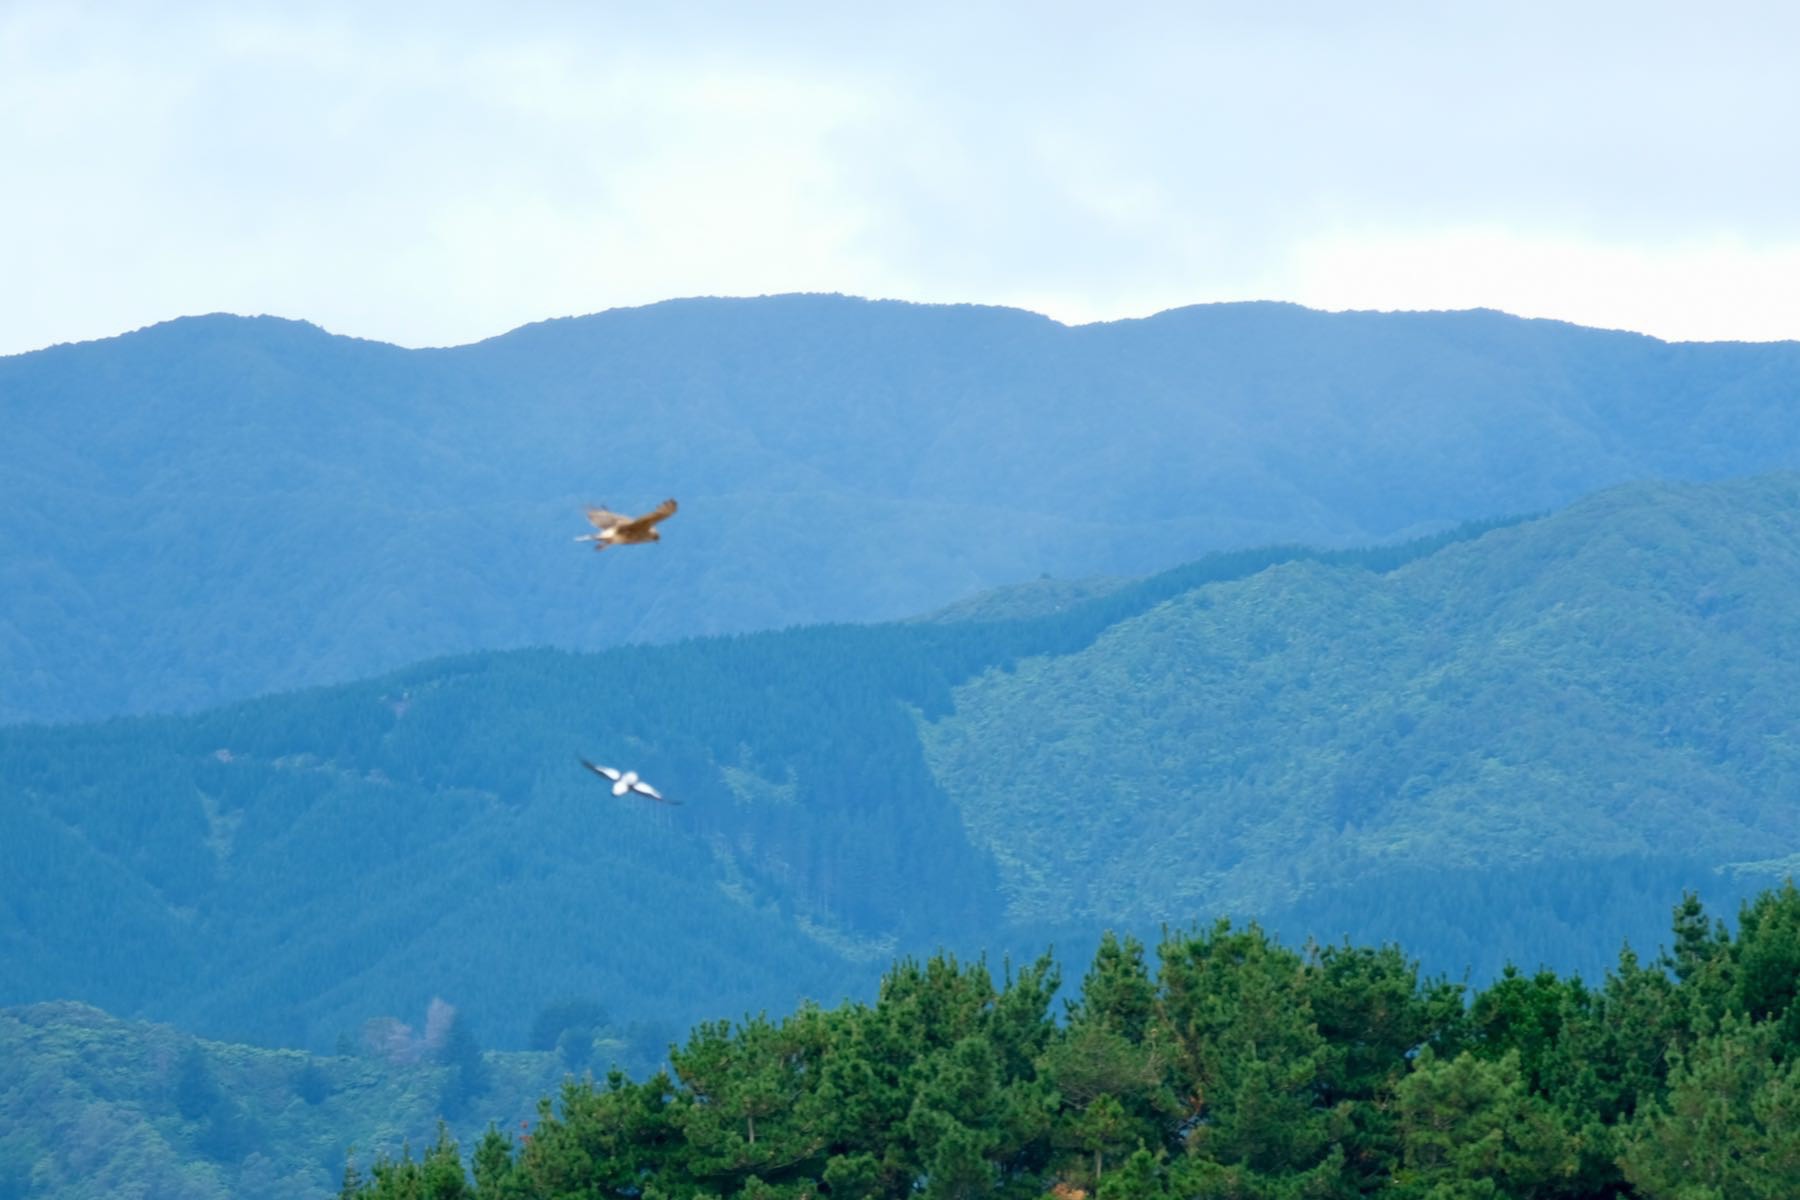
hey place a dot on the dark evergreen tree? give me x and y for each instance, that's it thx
(197, 1093)
(492, 1166)
(469, 1075)
(1471, 1127)
(1374, 1014)
(312, 1084)
(1524, 1015)
(1248, 1064)
(1109, 1065)
(1766, 963)
(1730, 1125)
(439, 1175)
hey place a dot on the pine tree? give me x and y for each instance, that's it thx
(750, 1104)
(493, 1167)
(1247, 1061)
(1117, 993)
(1700, 960)
(1471, 1127)
(1374, 1014)
(1766, 961)
(1730, 1126)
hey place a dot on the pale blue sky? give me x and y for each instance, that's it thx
(437, 173)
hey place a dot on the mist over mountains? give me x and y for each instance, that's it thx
(1488, 745)
(219, 507)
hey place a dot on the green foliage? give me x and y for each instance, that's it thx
(755, 1108)
(438, 1175)
(1237, 1069)
(93, 1108)
(1766, 964)
(1472, 1127)
(1524, 1017)
(1729, 1128)
(1373, 1012)
(1249, 1056)
(492, 1167)
(1117, 994)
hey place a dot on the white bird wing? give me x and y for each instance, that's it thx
(600, 770)
(645, 789)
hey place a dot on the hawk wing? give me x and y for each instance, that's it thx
(599, 770)
(637, 525)
(604, 519)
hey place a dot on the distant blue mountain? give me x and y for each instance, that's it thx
(220, 506)
(1520, 742)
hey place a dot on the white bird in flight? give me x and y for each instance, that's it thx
(627, 781)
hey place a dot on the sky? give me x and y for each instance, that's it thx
(437, 173)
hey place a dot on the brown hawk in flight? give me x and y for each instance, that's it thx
(617, 529)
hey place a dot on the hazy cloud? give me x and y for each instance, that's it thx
(439, 173)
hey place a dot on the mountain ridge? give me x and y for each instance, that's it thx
(218, 507)
(1199, 307)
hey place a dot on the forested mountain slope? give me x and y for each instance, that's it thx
(1490, 744)
(1618, 680)
(219, 507)
(324, 857)
(92, 1107)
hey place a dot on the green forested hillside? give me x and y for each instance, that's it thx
(1492, 744)
(221, 507)
(1617, 681)
(1238, 1069)
(327, 857)
(94, 1108)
